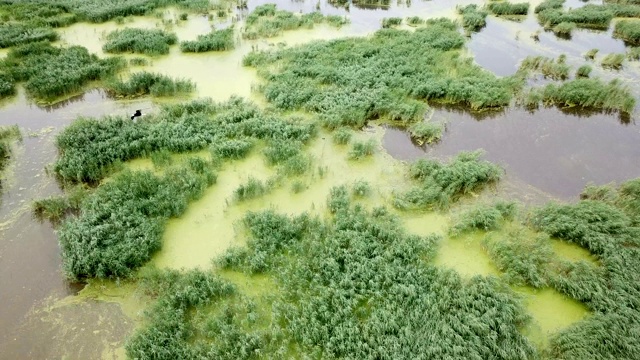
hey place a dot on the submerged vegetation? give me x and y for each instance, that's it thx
(141, 41)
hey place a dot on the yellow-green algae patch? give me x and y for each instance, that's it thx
(211, 224)
(466, 255)
(550, 312)
(572, 252)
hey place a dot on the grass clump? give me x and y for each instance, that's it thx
(583, 71)
(141, 41)
(121, 224)
(342, 136)
(7, 86)
(550, 68)
(415, 21)
(56, 208)
(138, 61)
(50, 72)
(391, 22)
(217, 40)
(588, 16)
(360, 188)
(483, 217)
(161, 158)
(612, 61)
(266, 21)
(362, 149)
(252, 189)
(591, 54)
(502, 8)
(232, 148)
(564, 29)
(442, 184)
(146, 83)
(633, 53)
(8, 134)
(426, 132)
(21, 34)
(473, 18)
(350, 81)
(89, 148)
(590, 93)
(628, 30)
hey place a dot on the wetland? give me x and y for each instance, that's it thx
(360, 179)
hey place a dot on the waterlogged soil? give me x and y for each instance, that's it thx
(546, 154)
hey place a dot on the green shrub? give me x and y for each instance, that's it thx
(507, 8)
(141, 41)
(279, 151)
(217, 40)
(441, 184)
(613, 61)
(146, 83)
(361, 188)
(7, 86)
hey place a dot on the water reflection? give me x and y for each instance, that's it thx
(552, 150)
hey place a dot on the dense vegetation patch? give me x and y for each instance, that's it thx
(19, 34)
(217, 40)
(482, 217)
(354, 286)
(145, 83)
(551, 13)
(121, 224)
(142, 41)
(442, 184)
(473, 18)
(8, 134)
(606, 224)
(550, 68)
(266, 21)
(51, 72)
(90, 148)
(507, 8)
(386, 76)
(628, 30)
(590, 93)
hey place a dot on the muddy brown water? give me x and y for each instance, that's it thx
(552, 151)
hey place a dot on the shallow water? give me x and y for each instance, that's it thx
(572, 252)
(550, 312)
(546, 154)
(555, 152)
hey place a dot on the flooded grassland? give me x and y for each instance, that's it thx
(339, 239)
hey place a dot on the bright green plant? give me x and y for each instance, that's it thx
(217, 40)
(141, 41)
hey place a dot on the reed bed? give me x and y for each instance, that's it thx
(387, 76)
(90, 148)
(628, 30)
(217, 40)
(591, 93)
(121, 224)
(583, 71)
(266, 21)
(441, 184)
(485, 217)
(140, 41)
(8, 134)
(20, 34)
(613, 61)
(391, 22)
(504, 8)
(50, 72)
(550, 68)
(426, 132)
(146, 83)
(7, 86)
(473, 17)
